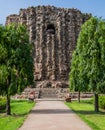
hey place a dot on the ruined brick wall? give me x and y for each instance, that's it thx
(53, 32)
(12, 18)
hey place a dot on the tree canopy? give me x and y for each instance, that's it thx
(88, 62)
(16, 62)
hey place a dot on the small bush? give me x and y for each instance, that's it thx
(2, 101)
(102, 102)
(2, 104)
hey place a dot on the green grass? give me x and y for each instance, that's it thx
(19, 110)
(85, 110)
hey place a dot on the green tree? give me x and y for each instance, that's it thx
(16, 62)
(74, 82)
(77, 78)
(91, 59)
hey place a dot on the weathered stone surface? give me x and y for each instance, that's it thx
(53, 33)
(12, 18)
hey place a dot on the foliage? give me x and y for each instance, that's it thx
(85, 111)
(19, 109)
(16, 62)
(2, 101)
(102, 102)
(88, 62)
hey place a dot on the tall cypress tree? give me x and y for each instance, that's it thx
(91, 58)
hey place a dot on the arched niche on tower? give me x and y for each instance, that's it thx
(50, 29)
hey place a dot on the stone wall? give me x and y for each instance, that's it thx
(53, 33)
(58, 93)
(12, 18)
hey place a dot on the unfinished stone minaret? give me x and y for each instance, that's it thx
(53, 32)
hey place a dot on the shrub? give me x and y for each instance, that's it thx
(2, 101)
(102, 102)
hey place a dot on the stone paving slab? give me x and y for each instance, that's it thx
(53, 115)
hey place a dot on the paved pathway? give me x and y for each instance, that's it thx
(53, 115)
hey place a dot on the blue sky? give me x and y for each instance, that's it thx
(96, 7)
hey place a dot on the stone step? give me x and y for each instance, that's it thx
(48, 93)
(49, 99)
(48, 96)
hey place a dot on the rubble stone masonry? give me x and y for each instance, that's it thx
(53, 32)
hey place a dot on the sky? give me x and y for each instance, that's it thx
(95, 7)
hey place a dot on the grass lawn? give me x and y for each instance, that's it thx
(19, 110)
(85, 110)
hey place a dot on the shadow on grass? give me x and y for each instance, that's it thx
(2, 115)
(84, 112)
(18, 115)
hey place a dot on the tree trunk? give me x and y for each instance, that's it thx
(79, 96)
(96, 102)
(8, 109)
